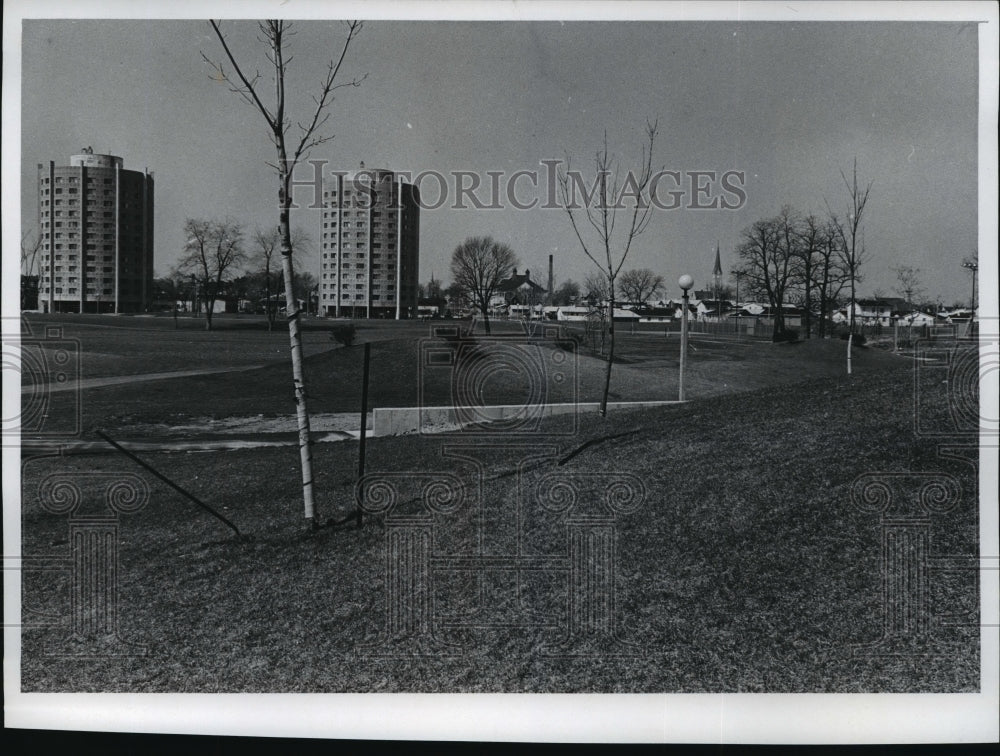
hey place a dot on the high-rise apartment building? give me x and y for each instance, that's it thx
(369, 246)
(96, 222)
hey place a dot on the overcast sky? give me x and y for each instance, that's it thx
(789, 104)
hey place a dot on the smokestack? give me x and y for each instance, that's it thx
(550, 278)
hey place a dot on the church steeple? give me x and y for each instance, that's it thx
(717, 270)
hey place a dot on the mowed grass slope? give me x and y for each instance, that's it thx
(746, 567)
(401, 376)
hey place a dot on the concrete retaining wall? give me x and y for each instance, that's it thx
(399, 421)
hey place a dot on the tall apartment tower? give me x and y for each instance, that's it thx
(96, 222)
(370, 246)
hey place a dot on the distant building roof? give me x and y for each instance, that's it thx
(518, 281)
(893, 303)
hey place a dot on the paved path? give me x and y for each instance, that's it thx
(73, 446)
(114, 380)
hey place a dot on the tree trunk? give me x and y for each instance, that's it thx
(779, 320)
(486, 319)
(808, 278)
(611, 355)
(852, 301)
(823, 304)
(268, 312)
(298, 377)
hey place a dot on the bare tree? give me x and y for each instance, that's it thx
(830, 274)
(273, 35)
(852, 241)
(31, 246)
(431, 290)
(478, 265)
(566, 293)
(606, 250)
(908, 283)
(639, 284)
(807, 253)
(266, 243)
(213, 251)
(767, 255)
(596, 286)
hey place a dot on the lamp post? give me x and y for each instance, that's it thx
(685, 282)
(738, 275)
(973, 267)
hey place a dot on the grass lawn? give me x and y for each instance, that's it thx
(400, 376)
(745, 568)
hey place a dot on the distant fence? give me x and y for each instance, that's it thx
(762, 329)
(902, 333)
(734, 328)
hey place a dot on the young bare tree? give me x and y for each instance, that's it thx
(266, 244)
(290, 150)
(478, 265)
(605, 249)
(213, 252)
(851, 234)
(639, 284)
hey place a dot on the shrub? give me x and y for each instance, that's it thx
(344, 333)
(787, 335)
(859, 338)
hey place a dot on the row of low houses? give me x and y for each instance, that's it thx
(867, 312)
(520, 297)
